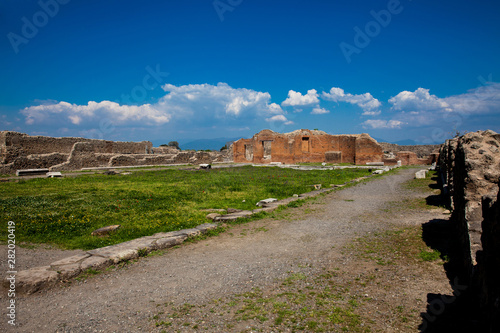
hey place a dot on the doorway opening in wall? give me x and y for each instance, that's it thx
(305, 144)
(266, 145)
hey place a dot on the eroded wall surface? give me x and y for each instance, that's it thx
(470, 169)
(22, 151)
(306, 146)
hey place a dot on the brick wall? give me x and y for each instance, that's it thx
(306, 146)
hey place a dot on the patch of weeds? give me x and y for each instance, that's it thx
(142, 252)
(294, 277)
(296, 203)
(163, 323)
(87, 273)
(429, 255)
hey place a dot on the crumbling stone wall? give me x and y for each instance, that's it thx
(14, 145)
(470, 169)
(422, 151)
(22, 151)
(306, 146)
(488, 275)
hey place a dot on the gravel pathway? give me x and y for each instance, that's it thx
(256, 254)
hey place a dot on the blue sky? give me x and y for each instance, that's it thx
(190, 69)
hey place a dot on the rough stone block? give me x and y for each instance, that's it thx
(105, 230)
(420, 174)
(55, 174)
(70, 260)
(206, 227)
(95, 262)
(167, 242)
(191, 232)
(31, 280)
(266, 201)
(212, 216)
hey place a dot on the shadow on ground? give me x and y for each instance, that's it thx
(457, 312)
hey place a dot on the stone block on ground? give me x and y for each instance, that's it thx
(266, 201)
(31, 172)
(31, 280)
(167, 242)
(95, 262)
(105, 230)
(212, 216)
(191, 232)
(420, 174)
(206, 227)
(54, 174)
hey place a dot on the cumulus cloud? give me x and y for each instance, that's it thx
(367, 102)
(319, 110)
(194, 102)
(219, 100)
(280, 118)
(420, 108)
(77, 114)
(380, 124)
(420, 100)
(297, 99)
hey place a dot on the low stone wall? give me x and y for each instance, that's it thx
(422, 151)
(470, 170)
(22, 151)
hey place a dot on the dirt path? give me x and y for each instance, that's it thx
(257, 254)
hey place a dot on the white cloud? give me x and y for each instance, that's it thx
(420, 108)
(194, 102)
(319, 110)
(297, 99)
(420, 100)
(77, 114)
(379, 124)
(367, 102)
(220, 101)
(279, 117)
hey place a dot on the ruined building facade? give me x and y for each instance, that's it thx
(307, 146)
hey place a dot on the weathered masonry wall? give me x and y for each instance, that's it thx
(470, 169)
(22, 151)
(16, 144)
(306, 146)
(422, 151)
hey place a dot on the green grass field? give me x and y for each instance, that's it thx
(65, 211)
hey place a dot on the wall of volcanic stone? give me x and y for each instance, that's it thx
(470, 169)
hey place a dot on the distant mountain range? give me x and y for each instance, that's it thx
(407, 142)
(206, 144)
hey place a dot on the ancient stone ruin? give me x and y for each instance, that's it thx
(470, 168)
(307, 146)
(19, 151)
(410, 155)
(317, 146)
(22, 151)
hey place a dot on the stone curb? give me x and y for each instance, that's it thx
(37, 278)
(32, 280)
